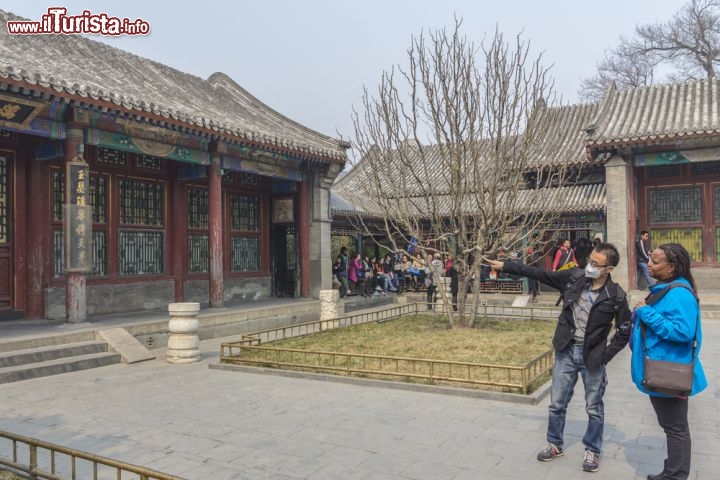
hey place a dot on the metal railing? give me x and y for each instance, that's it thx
(54, 462)
(250, 351)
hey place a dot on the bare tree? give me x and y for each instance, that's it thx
(447, 148)
(689, 43)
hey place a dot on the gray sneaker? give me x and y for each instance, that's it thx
(549, 452)
(591, 462)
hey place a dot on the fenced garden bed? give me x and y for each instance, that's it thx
(400, 343)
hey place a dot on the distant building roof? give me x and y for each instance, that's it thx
(104, 75)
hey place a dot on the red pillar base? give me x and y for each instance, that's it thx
(75, 298)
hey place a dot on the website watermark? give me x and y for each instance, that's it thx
(57, 21)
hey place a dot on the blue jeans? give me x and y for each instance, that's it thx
(643, 272)
(568, 364)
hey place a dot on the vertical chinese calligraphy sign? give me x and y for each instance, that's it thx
(78, 218)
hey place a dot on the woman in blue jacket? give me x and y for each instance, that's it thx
(671, 323)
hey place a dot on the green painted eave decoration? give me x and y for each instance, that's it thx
(660, 158)
(132, 144)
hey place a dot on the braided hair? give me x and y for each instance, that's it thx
(679, 257)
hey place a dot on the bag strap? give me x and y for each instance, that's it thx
(656, 297)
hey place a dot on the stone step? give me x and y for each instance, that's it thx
(45, 340)
(53, 352)
(57, 366)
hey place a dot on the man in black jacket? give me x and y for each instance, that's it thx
(591, 300)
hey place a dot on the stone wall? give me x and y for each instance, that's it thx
(236, 289)
(618, 220)
(116, 298)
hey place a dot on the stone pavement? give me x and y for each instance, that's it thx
(200, 423)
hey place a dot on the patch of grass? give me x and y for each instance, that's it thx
(504, 342)
(7, 475)
(491, 342)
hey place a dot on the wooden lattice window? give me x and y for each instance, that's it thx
(228, 176)
(197, 204)
(111, 156)
(671, 205)
(198, 253)
(249, 179)
(141, 203)
(663, 171)
(140, 252)
(705, 168)
(148, 162)
(244, 213)
(245, 254)
(98, 252)
(98, 196)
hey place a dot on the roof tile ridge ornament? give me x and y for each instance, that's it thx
(591, 129)
(221, 80)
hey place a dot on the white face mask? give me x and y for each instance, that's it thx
(591, 272)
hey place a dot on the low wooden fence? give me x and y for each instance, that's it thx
(251, 351)
(40, 459)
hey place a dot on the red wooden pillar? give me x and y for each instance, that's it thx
(632, 228)
(304, 237)
(75, 282)
(37, 233)
(178, 236)
(215, 232)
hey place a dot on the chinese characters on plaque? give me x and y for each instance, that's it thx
(78, 218)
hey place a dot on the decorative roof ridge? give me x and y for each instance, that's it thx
(604, 107)
(222, 80)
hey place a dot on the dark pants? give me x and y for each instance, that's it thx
(672, 415)
(533, 287)
(431, 296)
(343, 285)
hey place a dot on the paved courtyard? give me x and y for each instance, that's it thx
(200, 423)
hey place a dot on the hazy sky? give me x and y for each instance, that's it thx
(309, 59)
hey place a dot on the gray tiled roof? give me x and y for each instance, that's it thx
(639, 115)
(563, 138)
(75, 65)
(575, 199)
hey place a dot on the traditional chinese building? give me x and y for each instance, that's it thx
(640, 159)
(126, 185)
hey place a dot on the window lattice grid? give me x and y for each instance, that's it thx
(98, 250)
(244, 213)
(58, 195)
(705, 168)
(690, 238)
(140, 253)
(98, 196)
(663, 171)
(249, 179)
(141, 203)
(716, 203)
(228, 176)
(198, 254)
(197, 204)
(148, 162)
(4, 208)
(244, 254)
(111, 156)
(668, 205)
